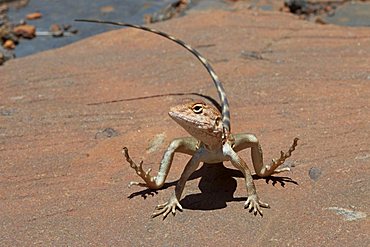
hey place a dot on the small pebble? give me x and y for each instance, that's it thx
(314, 173)
(107, 9)
(56, 30)
(106, 133)
(9, 44)
(34, 16)
(25, 31)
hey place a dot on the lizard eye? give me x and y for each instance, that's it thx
(197, 108)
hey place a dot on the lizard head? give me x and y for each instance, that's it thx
(202, 121)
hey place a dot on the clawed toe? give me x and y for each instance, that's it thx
(285, 169)
(167, 208)
(162, 209)
(255, 205)
(264, 205)
(137, 184)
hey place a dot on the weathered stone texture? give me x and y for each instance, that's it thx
(63, 180)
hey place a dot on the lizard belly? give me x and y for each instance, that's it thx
(213, 156)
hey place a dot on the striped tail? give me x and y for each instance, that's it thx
(206, 64)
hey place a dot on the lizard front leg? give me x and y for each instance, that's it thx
(253, 202)
(243, 141)
(187, 145)
(173, 202)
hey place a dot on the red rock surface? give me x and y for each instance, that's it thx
(64, 181)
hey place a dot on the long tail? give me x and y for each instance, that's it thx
(206, 64)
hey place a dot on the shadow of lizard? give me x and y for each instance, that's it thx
(217, 185)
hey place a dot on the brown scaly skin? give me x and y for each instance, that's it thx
(211, 141)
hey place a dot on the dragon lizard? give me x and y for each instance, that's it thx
(211, 142)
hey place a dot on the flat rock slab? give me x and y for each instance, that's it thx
(64, 179)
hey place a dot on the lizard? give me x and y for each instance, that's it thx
(211, 141)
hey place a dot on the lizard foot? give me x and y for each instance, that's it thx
(167, 207)
(254, 204)
(148, 179)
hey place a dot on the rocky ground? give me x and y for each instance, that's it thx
(63, 179)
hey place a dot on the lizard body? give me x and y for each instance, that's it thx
(211, 142)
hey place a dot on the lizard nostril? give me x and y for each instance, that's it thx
(217, 121)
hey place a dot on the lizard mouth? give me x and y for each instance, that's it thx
(178, 117)
(173, 114)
